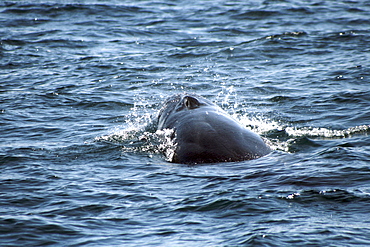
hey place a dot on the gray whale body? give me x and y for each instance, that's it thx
(204, 133)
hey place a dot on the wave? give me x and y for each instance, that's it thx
(328, 133)
(333, 195)
(138, 133)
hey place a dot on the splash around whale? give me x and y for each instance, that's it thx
(204, 133)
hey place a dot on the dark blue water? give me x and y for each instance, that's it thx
(82, 81)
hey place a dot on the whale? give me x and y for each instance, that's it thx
(202, 132)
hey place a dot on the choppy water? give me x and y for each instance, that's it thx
(82, 81)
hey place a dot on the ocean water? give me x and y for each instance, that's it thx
(81, 83)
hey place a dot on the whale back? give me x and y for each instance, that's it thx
(204, 133)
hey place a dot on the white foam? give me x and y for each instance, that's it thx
(167, 144)
(258, 124)
(327, 133)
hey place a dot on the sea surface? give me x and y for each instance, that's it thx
(81, 83)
